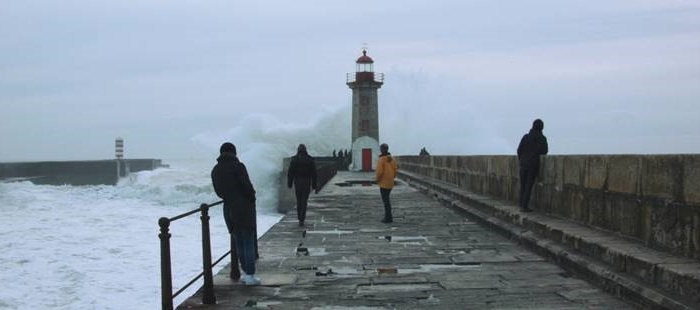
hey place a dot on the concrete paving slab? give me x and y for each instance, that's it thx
(620, 265)
(436, 259)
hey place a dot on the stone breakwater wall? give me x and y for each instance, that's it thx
(654, 199)
(79, 172)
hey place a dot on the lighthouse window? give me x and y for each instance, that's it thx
(364, 67)
(364, 100)
(364, 125)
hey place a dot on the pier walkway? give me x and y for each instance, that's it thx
(431, 257)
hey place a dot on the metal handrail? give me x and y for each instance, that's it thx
(208, 297)
(199, 276)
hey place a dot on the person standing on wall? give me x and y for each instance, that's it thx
(532, 145)
(232, 184)
(385, 174)
(302, 173)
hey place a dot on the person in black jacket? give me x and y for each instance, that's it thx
(302, 173)
(532, 145)
(232, 184)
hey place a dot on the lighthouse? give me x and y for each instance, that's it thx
(365, 113)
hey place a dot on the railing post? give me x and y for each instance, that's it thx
(166, 280)
(208, 298)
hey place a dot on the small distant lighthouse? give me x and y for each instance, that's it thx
(119, 148)
(122, 165)
(365, 113)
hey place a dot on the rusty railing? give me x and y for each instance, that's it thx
(208, 297)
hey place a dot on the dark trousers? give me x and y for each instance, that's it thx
(527, 180)
(245, 248)
(228, 218)
(302, 188)
(387, 202)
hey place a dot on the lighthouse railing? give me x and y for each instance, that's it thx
(351, 77)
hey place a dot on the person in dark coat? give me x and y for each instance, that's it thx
(302, 173)
(232, 184)
(532, 145)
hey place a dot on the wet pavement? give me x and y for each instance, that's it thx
(430, 257)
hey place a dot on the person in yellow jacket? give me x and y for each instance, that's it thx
(385, 173)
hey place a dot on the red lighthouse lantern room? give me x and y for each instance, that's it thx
(365, 68)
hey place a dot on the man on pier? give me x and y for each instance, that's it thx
(302, 173)
(232, 184)
(532, 145)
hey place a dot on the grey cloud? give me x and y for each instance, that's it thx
(76, 74)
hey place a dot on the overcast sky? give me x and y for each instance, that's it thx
(462, 76)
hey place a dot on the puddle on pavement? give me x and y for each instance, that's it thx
(405, 239)
(346, 271)
(387, 288)
(387, 270)
(330, 232)
(371, 230)
(433, 267)
(356, 183)
(308, 251)
(330, 307)
(262, 304)
(317, 252)
(361, 183)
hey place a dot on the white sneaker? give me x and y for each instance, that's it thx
(250, 280)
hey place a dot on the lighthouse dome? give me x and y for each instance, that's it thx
(364, 59)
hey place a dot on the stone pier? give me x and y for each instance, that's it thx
(431, 257)
(76, 172)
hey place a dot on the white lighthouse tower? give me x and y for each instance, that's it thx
(365, 113)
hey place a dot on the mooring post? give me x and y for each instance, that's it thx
(166, 280)
(208, 298)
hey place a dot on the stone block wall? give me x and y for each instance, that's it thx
(136, 165)
(652, 198)
(79, 172)
(88, 172)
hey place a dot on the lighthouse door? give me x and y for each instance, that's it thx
(366, 159)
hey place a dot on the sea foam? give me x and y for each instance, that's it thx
(97, 247)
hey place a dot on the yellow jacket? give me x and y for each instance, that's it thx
(386, 171)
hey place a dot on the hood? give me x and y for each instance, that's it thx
(536, 131)
(227, 158)
(387, 155)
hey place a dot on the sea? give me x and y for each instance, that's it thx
(97, 247)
